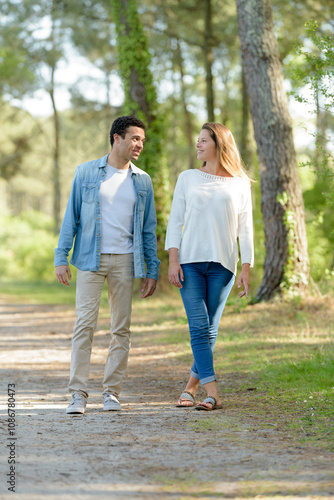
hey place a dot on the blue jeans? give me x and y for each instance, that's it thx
(204, 292)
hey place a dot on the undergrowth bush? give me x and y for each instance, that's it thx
(27, 247)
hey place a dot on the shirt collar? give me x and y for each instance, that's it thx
(134, 169)
(103, 161)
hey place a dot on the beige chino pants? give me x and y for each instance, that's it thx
(119, 272)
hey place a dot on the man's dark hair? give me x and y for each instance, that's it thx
(121, 124)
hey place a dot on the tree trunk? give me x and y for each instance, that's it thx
(286, 263)
(56, 173)
(186, 113)
(138, 91)
(56, 129)
(208, 59)
(245, 143)
(321, 126)
(140, 98)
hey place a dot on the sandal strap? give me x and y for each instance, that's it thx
(210, 399)
(188, 396)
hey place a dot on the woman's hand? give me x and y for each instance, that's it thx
(175, 274)
(244, 278)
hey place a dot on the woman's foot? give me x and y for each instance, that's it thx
(186, 400)
(212, 400)
(210, 403)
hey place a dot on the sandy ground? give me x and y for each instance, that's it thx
(149, 450)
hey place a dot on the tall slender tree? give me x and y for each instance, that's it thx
(208, 60)
(286, 263)
(52, 58)
(187, 117)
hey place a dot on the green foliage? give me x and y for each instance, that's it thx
(13, 70)
(27, 247)
(18, 129)
(318, 66)
(317, 73)
(16, 65)
(320, 246)
(320, 234)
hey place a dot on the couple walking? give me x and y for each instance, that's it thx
(111, 219)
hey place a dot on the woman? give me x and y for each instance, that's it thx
(211, 210)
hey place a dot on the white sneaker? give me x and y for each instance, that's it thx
(78, 404)
(111, 403)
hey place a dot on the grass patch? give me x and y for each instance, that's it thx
(43, 293)
(277, 361)
(304, 390)
(37, 293)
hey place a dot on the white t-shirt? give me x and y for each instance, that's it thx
(117, 201)
(209, 214)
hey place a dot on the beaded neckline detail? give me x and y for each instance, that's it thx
(215, 177)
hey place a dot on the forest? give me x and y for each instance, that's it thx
(263, 68)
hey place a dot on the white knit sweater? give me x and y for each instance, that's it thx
(209, 214)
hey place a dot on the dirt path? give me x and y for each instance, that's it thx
(150, 450)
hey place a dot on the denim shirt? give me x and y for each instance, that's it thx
(82, 221)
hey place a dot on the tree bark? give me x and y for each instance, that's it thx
(286, 259)
(141, 99)
(186, 113)
(208, 60)
(245, 143)
(138, 92)
(56, 130)
(56, 173)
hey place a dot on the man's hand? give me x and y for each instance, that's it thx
(62, 273)
(150, 286)
(244, 279)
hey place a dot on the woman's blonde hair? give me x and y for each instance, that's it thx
(227, 152)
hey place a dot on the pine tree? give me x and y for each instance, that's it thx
(286, 264)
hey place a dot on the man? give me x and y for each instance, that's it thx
(111, 215)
